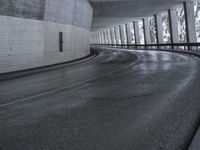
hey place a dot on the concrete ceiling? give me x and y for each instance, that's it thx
(111, 12)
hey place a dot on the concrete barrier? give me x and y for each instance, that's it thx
(29, 32)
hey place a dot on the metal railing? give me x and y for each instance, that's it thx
(174, 46)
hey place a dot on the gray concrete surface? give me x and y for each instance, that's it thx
(143, 100)
(27, 43)
(23, 8)
(29, 32)
(113, 12)
(195, 144)
(70, 12)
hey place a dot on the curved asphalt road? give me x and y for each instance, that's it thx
(138, 100)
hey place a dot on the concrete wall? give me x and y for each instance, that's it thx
(78, 12)
(32, 9)
(27, 43)
(74, 12)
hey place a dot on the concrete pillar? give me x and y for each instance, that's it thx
(137, 33)
(96, 35)
(147, 37)
(98, 38)
(100, 33)
(190, 22)
(121, 34)
(111, 36)
(102, 37)
(90, 38)
(93, 38)
(159, 28)
(173, 25)
(128, 33)
(117, 35)
(105, 37)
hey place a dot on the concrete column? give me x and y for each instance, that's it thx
(173, 25)
(94, 38)
(121, 34)
(98, 38)
(128, 33)
(147, 37)
(102, 37)
(159, 28)
(190, 22)
(105, 37)
(111, 36)
(136, 31)
(91, 38)
(114, 33)
(117, 35)
(125, 34)
(100, 33)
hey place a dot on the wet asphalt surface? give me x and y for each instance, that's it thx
(138, 100)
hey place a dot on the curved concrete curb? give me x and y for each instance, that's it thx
(190, 52)
(22, 73)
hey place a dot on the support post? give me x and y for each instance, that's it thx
(128, 33)
(95, 38)
(111, 36)
(114, 35)
(137, 33)
(105, 37)
(190, 22)
(159, 29)
(99, 39)
(173, 26)
(121, 35)
(117, 35)
(147, 37)
(102, 37)
(108, 36)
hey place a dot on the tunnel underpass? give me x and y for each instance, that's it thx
(99, 75)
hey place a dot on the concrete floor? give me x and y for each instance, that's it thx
(138, 100)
